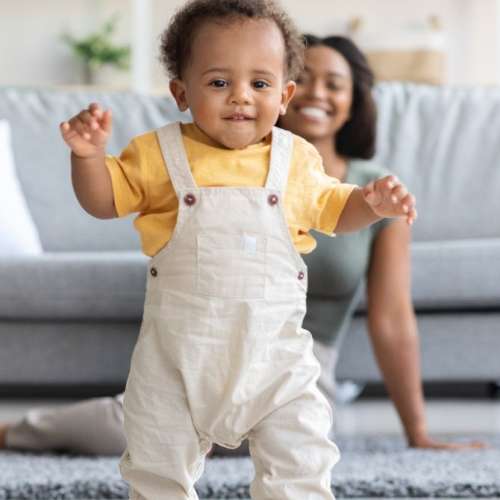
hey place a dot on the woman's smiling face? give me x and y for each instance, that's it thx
(322, 102)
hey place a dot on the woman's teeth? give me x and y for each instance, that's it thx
(313, 112)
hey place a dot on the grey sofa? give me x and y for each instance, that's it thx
(69, 318)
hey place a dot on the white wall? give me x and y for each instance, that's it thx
(31, 51)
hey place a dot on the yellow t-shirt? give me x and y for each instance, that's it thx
(313, 200)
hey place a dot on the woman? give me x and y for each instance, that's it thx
(334, 110)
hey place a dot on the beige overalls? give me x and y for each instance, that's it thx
(221, 355)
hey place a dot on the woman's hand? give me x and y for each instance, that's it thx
(387, 197)
(428, 443)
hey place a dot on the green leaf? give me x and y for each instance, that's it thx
(98, 48)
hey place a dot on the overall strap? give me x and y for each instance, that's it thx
(174, 155)
(281, 156)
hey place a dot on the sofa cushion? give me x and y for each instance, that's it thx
(443, 142)
(454, 275)
(73, 285)
(111, 285)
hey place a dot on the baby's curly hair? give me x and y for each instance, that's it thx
(176, 40)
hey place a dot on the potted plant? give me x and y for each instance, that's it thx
(98, 50)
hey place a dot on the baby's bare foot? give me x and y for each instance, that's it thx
(3, 434)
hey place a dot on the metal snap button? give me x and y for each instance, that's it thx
(190, 199)
(272, 199)
(301, 275)
(153, 272)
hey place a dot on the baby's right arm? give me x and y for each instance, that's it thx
(87, 134)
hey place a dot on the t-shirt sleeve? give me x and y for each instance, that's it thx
(129, 179)
(327, 195)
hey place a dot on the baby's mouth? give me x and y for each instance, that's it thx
(238, 117)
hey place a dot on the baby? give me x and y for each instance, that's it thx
(225, 204)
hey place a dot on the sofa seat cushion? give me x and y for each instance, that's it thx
(455, 275)
(73, 285)
(447, 275)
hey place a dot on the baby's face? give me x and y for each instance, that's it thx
(234, 83)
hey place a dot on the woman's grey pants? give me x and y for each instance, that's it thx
(95, 426)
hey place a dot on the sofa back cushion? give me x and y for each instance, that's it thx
(444, 142)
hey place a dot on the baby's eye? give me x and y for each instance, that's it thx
(260, 84)
(218, 83)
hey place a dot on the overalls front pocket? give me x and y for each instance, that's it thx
(232, 266)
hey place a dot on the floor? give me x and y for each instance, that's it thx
(446, 416)
(365, 416)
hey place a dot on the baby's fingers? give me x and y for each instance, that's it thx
(95, 110)
(407, 205)
(388, 182)
(385, 187)
(102, 117)
(370, 194)
(106, 121)
(89, 121)
(65, 128)
(407, 202)
(68, 130)
(412, 216)
(81, 128)
(398, 193)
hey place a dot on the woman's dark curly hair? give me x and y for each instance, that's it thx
(356, 139)
(177, 39)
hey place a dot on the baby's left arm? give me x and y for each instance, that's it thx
(384, 197)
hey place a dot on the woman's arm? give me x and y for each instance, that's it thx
(393, 331)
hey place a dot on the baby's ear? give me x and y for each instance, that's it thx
(178, 91)
(286, 95)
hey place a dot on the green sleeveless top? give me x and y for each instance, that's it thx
(337, 268)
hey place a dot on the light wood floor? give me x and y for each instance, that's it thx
(365, 416)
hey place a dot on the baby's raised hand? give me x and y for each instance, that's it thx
(389, 198)
(87, 132)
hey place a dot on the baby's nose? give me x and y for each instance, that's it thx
(240, 94)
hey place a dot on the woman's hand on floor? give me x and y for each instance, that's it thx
(3, 434)
(433, 444)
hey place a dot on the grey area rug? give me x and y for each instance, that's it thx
(369, 467)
